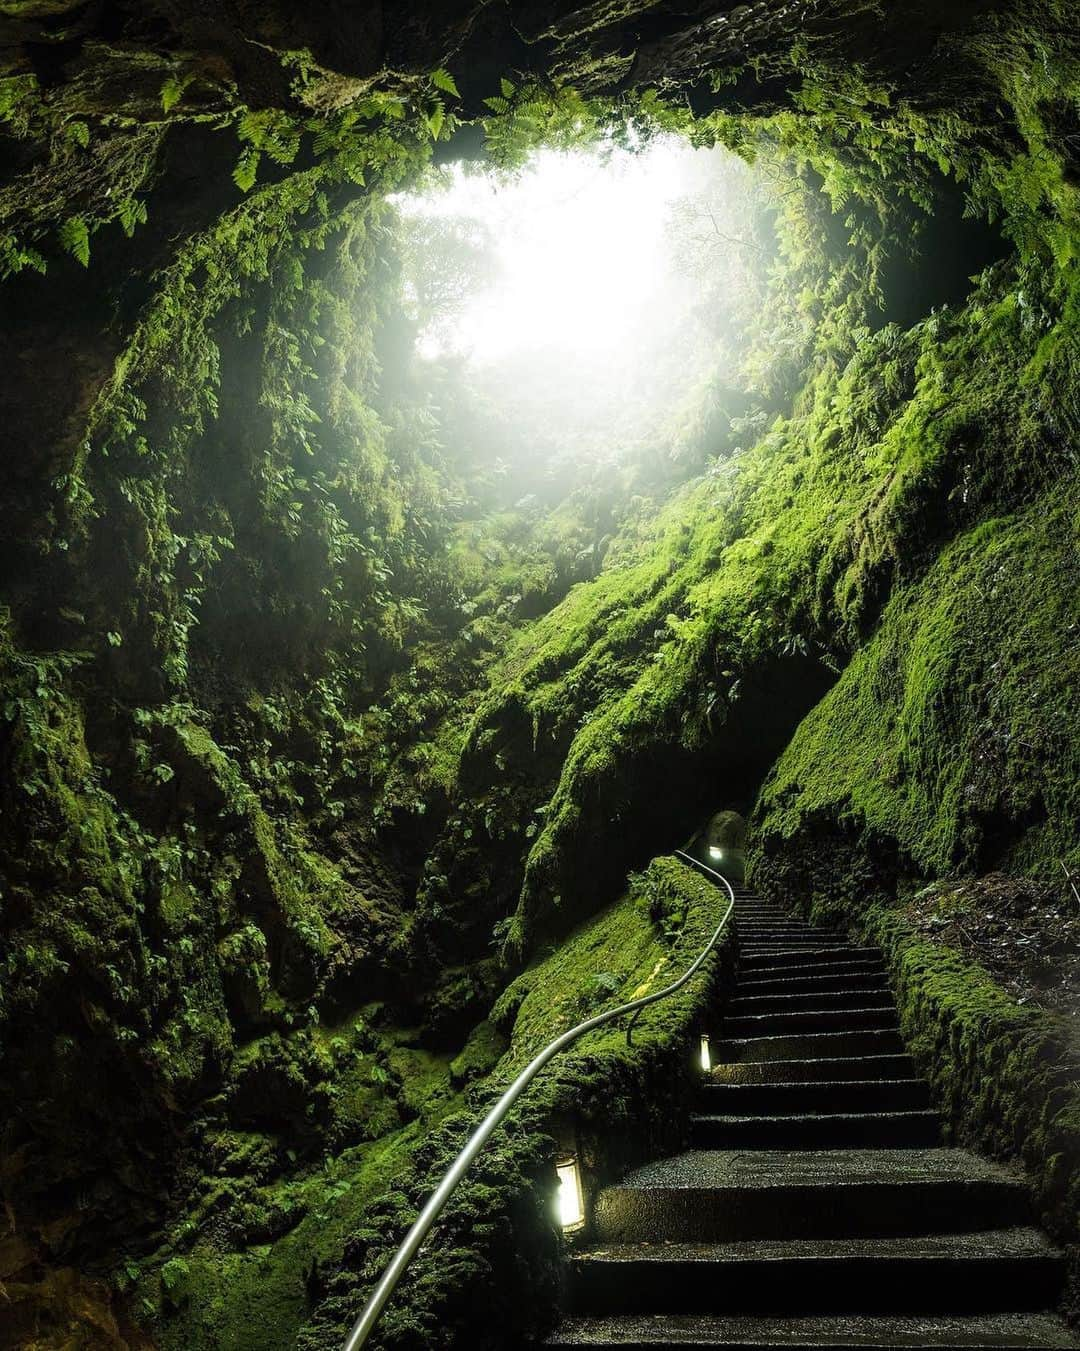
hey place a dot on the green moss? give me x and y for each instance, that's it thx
(950, 731)
(483, 1050)
(176, 1282)
(1002, 1074)
(258, 1296)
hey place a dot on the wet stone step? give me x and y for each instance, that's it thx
(788, 922)
(721, 1195)
(656, 1332)
(754, 938)
(760, 921)
(747, 928)
(918, 1129)
(794, 942)
(994, 1270)
(807, 1046)
(787, 940)
(823, 996)
(791, 940)
(767, 932)
(794, 978)
(826, 1095)
(761, 959)
(783, 927)
(814, 1070)
(853, 975)
(866, 1018)
(760, 964)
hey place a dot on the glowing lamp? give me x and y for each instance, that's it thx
(706, 1056)
(570, 1202)
(715, 853)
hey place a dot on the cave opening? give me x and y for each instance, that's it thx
(585, 296)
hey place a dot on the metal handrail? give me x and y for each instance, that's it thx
(372, 1311)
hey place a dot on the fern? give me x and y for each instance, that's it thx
(247, 168)
(435, 118)
(442, 79)
(131, 213)
(171, 93)
(74, 235)
(14, 257)
(324, 139)
(272, 132)
(78, 132)
(13, 90)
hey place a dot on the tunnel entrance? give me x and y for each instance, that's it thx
(721, 844)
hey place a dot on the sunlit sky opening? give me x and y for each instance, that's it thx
(592, 280)
(579, 247)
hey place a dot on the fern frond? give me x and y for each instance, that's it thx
(442, 79)
(74, 236)
(247, 168)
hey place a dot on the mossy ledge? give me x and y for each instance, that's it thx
(1004, 1076)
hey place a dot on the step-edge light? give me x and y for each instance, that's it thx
(570, 1201)
(706, 1054)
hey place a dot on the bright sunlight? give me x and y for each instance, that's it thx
(592, 289)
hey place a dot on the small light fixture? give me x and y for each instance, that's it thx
(706, 1054)
(570, 1202)
(715, 853)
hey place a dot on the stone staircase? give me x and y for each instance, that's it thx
(816, 1207)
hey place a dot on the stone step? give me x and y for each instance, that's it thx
(808, 1046)
(853, 975)
(789, 940)
(825, 1095)
(760, 960)
(758, 941)
(817, 1208)
(758, 924)
(706, 1196)
(657, 1332)
(1009, 1270)
(781, 937)
(865, 1018)
(815, 1070)
(795, 978)
(918, 1129)
(826, 996)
